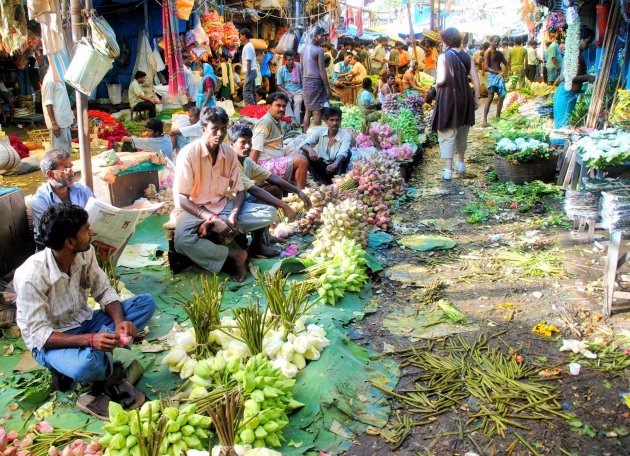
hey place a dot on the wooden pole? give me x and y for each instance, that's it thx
(412, 35)
(81, 99)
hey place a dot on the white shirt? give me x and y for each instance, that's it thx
(55, 94)
(192, 132)
(248, 53)
(49, 300)
(531, 56)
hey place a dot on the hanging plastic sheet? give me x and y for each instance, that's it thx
(158, 58)
(145, 61)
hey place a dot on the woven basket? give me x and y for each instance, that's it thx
(543, 169)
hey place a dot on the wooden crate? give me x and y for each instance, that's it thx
(126, 188)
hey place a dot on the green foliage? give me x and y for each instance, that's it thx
(512, 109)
(477, 214)
(520, 127)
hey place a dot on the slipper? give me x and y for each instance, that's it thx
(96, 406)
(125, 394)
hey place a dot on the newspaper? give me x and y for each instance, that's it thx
(113, 226)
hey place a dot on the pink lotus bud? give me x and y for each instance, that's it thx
(10, 451)
(53, 451)
(12, 435)
(44, 427)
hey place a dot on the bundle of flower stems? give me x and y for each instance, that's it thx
(505, 391)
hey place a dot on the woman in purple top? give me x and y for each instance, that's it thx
(314, 79)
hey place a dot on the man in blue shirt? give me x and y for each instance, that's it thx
(60, 188)
(290, 83)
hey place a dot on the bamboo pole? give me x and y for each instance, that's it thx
(81, 99)
(412, 35)
(603, 75)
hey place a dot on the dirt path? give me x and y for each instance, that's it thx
(592, 396)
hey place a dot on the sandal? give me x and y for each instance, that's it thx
(96, 406)
(125, 394)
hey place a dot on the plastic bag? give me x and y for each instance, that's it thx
(286, 43)
(200, 34)
(114, 91)
(9, 158)
(103, 37)
(227, 105)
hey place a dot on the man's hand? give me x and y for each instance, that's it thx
(288, 212)
(330, 169)
(56, 130)
(154, 100)
(128, 328)
(307, 201)
(231, 221)
(105, 341)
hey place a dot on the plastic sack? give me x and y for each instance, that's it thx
(286, 43)
(200, 34)
(184, 8)
(9, 158)
(114, 91)
(306, 38)
(103, 37)
(180, 120)
(227, 105)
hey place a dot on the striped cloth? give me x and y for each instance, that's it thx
(60, 61)
(173, 50)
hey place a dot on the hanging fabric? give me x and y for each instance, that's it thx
(346, 17)
(160, 66)
(48, 14)
(332, 32)
(145, 61)
(359, 21)
(60, 61)
(173, 50)
(13, 32)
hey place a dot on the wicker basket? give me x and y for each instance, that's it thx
(543, 169)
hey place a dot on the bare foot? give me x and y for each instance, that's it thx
(265, 251)
(238, 257)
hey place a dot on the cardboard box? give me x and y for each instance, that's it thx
(16, 240)
(126, 188)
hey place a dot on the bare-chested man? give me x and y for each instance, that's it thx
(409, 84)
(493, 59)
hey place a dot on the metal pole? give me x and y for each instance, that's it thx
(81, 99)
(432, 16)
(146, 18)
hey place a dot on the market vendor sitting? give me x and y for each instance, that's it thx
(181, 136)
(409, 84)
(358, 72)
(138, 101)
(267, 148)
(342, 69)
(56, 165)
(58, 325)
(210, 197)
(327, 149)
(253, 175)
(365, 99)
(153, 140)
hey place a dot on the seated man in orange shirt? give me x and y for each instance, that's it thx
(209, 190)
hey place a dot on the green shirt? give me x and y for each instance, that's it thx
(517, 56)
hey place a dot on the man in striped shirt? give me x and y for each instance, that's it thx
(62, 331)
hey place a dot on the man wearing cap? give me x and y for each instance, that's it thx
(315, 84)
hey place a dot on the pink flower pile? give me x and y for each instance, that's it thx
(364, 140)
(401, 153)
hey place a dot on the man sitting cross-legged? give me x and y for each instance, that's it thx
(253, 175)
(62, 331)
(209, 190)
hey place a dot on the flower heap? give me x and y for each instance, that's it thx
(377, 184)
(107, 128)
(19, 146)
(258, 112)
(400, 153)
(515, 97)
(353, 118)
(312, 219)
(383, 135)
(364, 140)
(522, 150)
(286, 350)
(605, 148)
(213, 26)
